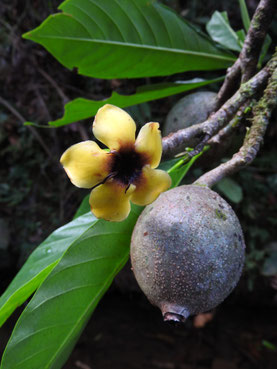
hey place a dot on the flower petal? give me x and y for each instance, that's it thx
(86, 164)
(109, 201)
(150, 185)
(114, 127)
(149, 142)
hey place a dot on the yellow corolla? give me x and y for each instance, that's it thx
(123, 174)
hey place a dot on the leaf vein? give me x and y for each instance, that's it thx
(97, 5)
(130, 19)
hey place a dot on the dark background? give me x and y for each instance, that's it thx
(36, 198)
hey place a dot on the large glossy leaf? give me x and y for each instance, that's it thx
(244, 14)
(81, 108)
(52, 322)
(41, 262)
(126, 39)
(220, 30)
(54, 319)
(47, 255)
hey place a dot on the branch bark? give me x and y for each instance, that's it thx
(175, 142)
(247, 61)
(233, 125)
(252, 46)
(253, 140)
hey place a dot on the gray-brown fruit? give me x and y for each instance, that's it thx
(187, 251)
(191, 109)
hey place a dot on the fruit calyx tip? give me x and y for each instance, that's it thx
(173, 317)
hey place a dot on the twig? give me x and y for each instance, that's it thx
(65, 100)
(253, 140)
(62, 95)
(175, 142)
(83, 132)
(81, 365)
(229, 85)
(199, 147)
(227, 131)
(253, 43)
(247, 61)
(22, 120)
(42, 102)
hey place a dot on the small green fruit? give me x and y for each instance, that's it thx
(187, 251)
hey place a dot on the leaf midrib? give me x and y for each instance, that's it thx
(105, 285)
(140, 46)
(69, 335)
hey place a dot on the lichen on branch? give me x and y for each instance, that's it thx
(175, 142)
(246, 64)
(261, 115)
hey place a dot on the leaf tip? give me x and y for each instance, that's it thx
(27, 36)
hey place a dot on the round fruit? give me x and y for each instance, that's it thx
(191, 109)
(187, 251)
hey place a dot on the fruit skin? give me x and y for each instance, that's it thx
(187, 251)
(191, 109)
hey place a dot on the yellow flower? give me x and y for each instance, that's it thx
(123, 174)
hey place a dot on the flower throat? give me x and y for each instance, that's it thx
(125, 166)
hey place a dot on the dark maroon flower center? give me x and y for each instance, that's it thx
(126, 164)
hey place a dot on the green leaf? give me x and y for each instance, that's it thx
(126, 39)
(47, 255)
(221, 31)
(179, 170)
(54, 319)
(244, 15)
(87, 253)
(81, 108)
(241, 35)
(62, 305)
(264, 50)
(41, 262)
(269, 345)
(231, 189)
(36, 125)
